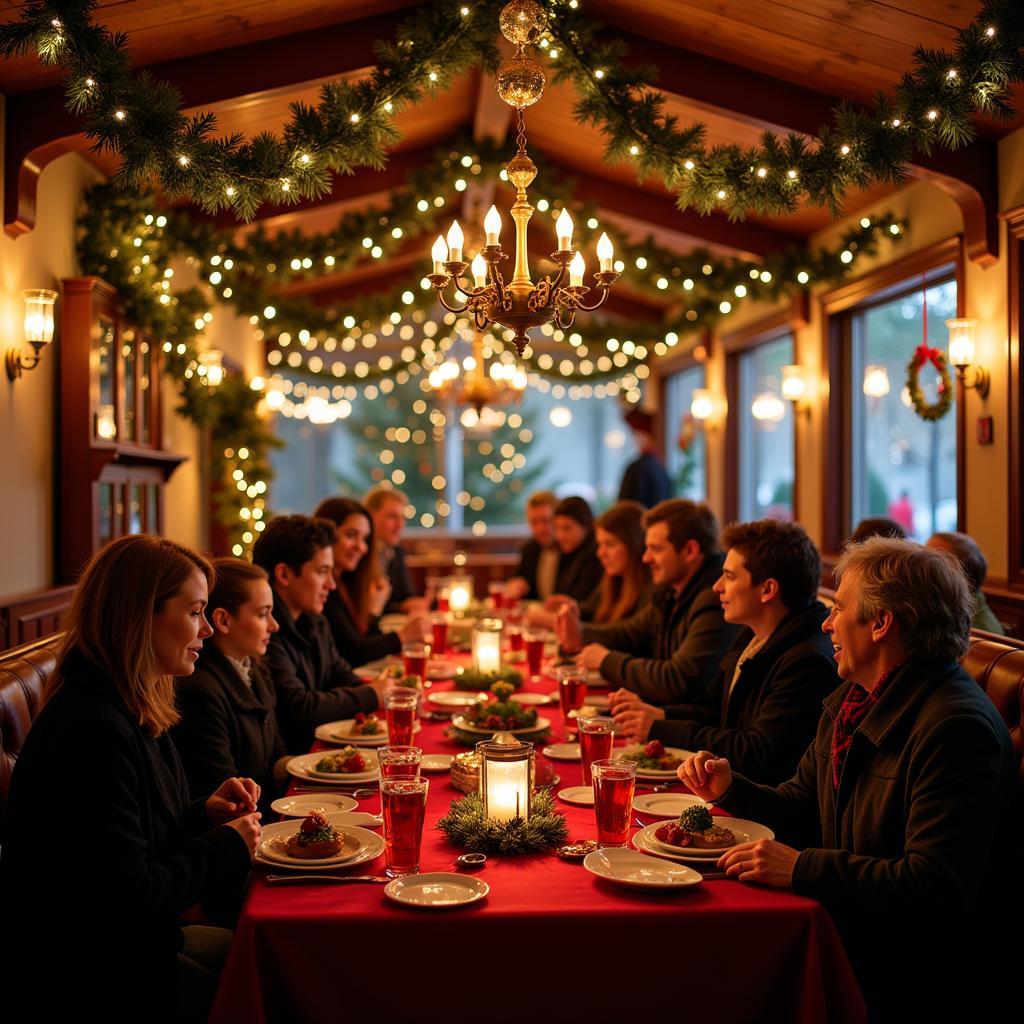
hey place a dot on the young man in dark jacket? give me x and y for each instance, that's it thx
(777, 672)
(906, 804)
(670, 651)
(314, 683)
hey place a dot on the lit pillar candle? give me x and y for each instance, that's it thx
(577, 268)
(439, 254)
(455, 242)
(479, 271)
(604, 251)
(492, 225)
(486, 645)
(460, 594)
(505, 779)
(563, 228)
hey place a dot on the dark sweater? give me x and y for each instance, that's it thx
(227, 728)
(579, 572)
(763, 727)
(355, 647)
(671, 650)
(397, 572)
(917, 857)
(646, 481)
(314, 683)
(104, 851)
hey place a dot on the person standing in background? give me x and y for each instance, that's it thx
(645, 480)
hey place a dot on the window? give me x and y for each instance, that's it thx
(765, 432)
(901, 465)
(684, 438)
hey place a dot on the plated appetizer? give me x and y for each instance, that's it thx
(468, 679)
(501, 712)
(367, 725)
(346, 761)
(316, 839)
(696, 829)
(653, 756)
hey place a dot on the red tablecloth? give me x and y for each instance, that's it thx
(549, 939)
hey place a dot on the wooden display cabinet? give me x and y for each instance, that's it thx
(113, 467)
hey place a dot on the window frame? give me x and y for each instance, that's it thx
(838, 307)
(666, 367)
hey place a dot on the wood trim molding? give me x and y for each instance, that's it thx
(792, 317)
(1015, 270)
(835, 369)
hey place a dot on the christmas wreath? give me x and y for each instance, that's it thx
(944, 398)
(466, 826)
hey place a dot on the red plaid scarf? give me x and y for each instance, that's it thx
(855, 706)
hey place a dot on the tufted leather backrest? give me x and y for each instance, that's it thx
(23, 674)
(997, 663)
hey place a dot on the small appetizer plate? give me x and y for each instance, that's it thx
(637, 871)
(299, 806)
(304, 767)
(745, 832)
(438, 670)
(532, 698)
(562, 751)
(454, 698)
(656, 773)
(436, 762)
(357, 819)
(464, 725)
(582, 796)
(339, 733)
(664, 805)
(436, 890)
(359, 845)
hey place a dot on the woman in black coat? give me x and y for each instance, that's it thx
(579, 571)
(228, 721)
(104, 848)
(354, 608)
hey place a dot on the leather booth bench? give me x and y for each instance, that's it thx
(996, 662)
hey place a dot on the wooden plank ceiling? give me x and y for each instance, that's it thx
(739, 66)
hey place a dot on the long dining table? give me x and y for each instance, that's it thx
(550, 938)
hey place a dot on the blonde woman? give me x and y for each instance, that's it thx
(104, 848)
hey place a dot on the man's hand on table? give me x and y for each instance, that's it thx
(707, 776)
(766, 862)
(633, 715)
(591, 656)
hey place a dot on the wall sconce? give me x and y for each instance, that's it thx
(767, 408)
(795, 387)
(38, 329)
(702, 405)
(106, 425)
(876, 380)
(961, 355)
(210, 366)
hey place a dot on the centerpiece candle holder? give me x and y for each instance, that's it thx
(460, 594)
(486, 645)
(506, 777)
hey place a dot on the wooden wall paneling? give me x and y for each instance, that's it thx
(28, 617)
(1015, 496)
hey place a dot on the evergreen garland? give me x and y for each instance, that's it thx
(466, 827)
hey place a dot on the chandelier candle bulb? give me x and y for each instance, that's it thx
(479, 271)
(492, 225)
(605, 252)
(455, 243)
(577, 268)
(439, 254)
(563, 228)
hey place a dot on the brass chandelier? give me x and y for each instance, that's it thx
(519, 304)
(475, 384)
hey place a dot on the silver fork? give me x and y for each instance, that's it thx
(296, 879)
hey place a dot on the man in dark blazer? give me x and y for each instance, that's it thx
(670, 651)
(777, 672)
(645, 479)
(536, 576)
(314, 683)
(903, 816)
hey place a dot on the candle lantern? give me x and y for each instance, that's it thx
(460, 594)
(506, 773)
(486, 645)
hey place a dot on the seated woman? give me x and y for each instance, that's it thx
(354, 608)
(626, 585)
(104, 934)
(579, 572)
(228, 723)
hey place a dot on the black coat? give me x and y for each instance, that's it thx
(314, 683)
(646, 481)
(398, 576)
(764, 726)
(671, 650)
(226, 727)
(104, 851)
(529, 557)
(579, 572)
(355, 647)
(918, 856)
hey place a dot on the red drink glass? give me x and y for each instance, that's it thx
(596, 735)
(399, 760)
(442, 599)
(439, 627)
(534, 643)
(515, 638)
(415, 657)
(403, 800)
(572, 691)
(400, 707)
(496, 591)
(614, 782)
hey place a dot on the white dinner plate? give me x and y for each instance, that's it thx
(371, 846)
(463, 725)
(438, 670)
(436, 762)
(271, 845)
(664, 805)
(301, 804)
(454, 698)
(436, 890)
(596, 700)
(337, 732)
(656, 773)
(303, 767)
(582, 796)
(562, 751)
(531, 698)
(638, 871)
(372, 669)
(746, 831)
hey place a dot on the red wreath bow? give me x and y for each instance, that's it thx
(925, 354)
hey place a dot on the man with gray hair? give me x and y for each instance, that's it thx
(904, 810)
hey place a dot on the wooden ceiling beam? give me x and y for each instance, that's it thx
(969, 175)
(38, 127)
